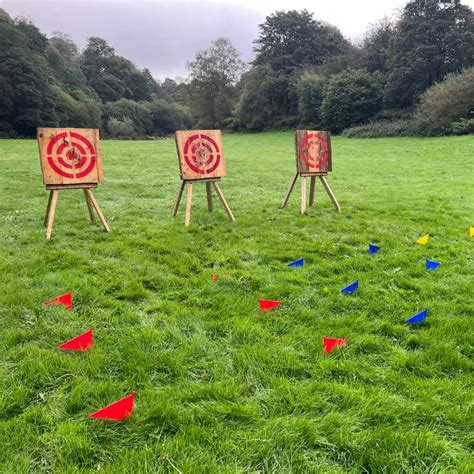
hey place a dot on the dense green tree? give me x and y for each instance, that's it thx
(310, 90)
(167, 117)
(376, 44)
(138, 112)
(433, 38)
(351, 97)
(214, 75)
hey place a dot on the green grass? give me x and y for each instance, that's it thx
(220, 386)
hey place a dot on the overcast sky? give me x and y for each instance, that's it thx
(162, 34)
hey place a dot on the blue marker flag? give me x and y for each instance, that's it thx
(351, 288)
(297, 263)
(431, 264)
(418, 318)
(373, 248)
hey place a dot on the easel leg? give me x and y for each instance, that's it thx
(97, 209)
(311, 190)
(45, 222)
(189, 200)
(224, 202)
(89, 207)
(178, 199)
(330, 193)
(52, 210)
(210, 207)
(303, 194)
(292, 185)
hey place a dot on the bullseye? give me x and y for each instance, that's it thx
(314, 150)
(71, 155)
(202, 154)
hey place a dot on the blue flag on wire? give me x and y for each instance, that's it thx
(351, 288)
(431, 264)
(418, 318)
(297, 263)
(373, 248)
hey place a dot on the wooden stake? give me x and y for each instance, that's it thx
(311, 190)
(45, 222)
(224, 202)
(189, 200)
(178, 198)
(210, 207)
(51, 211)
(97, 209)
(89, 207)
(330, 193)
(303, 194)
(290, 189)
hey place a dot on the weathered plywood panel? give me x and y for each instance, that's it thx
(70, 156)
(200, 154)
(313, 151)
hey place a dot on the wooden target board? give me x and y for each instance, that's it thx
(70, 156)
(200, 154)
(313, 151)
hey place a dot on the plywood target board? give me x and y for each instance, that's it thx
(313, 151)
(200, 154)
(70, 156)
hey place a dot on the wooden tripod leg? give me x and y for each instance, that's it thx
(90, 207)
(189, 200)
(290, 188)
(330, 193)
(48, 207)
(311, 190)
(178, 199)
(210, 207)
(303, 194)
(94, 202)
(52, 210)
(224, 202)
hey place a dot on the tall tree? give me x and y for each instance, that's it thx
(214, 75)
(433, 39)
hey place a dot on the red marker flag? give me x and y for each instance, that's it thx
(117, 411)
(79, 343)
(214, 276)
(64, 300)
(267, 305)
(330, 343)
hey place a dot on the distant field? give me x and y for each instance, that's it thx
(221, 387)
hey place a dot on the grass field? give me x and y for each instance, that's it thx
(220, 386)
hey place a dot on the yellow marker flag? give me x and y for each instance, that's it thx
(471, 231)
(423, 240)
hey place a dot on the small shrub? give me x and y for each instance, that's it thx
(121, 128)
(381, 128)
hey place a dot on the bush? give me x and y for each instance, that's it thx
(462, 127)
(447, 102)
(381, 128)
(121, 128)
(351, 97)
(310, 88)
(167, 117)
(124, 111)
(82, 113)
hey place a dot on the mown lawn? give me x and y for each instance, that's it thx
(220, 386)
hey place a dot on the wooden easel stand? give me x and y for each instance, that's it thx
(313, 176)
(189, 198)
(92, 205)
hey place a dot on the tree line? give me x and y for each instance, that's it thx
(414, 75)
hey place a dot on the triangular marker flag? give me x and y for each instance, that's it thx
(351, 288)
(266, 305)
(471, 231)
(117, 411)
(418, 318)
(214, 276)
(79, 343)
(64, 300)
(297, 263)
(330, 343)
(423, 240)
(373, 248)
(431, 264)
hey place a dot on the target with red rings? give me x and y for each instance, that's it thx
(200, 154)
(314, 151)
(71, 155)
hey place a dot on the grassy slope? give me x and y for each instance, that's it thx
(221, 387)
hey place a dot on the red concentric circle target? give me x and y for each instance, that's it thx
(202, 154)
(314, 150)
(71, 155)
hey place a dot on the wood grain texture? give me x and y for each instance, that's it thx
(200, 154)
(313, 151)
(70, 156)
